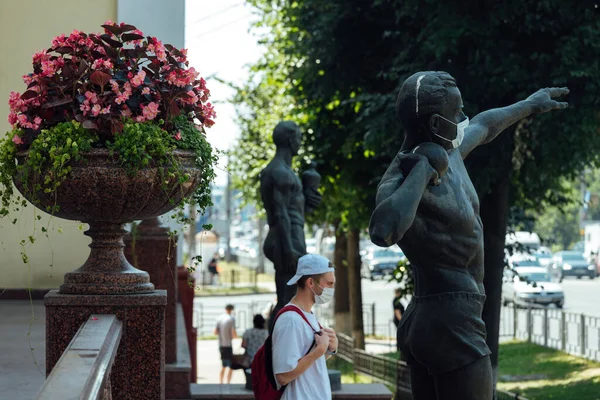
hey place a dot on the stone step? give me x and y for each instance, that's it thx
(371, 391)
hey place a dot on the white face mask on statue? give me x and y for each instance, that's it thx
(326, 295)
(460, 132)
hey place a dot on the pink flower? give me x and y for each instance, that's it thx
(192, 100)
(37, 121)
(12, 118)
(23, 121)
(138, 79)
(114, 86)
(59, 41)
(146, 90)
(150, 111)
(177, 136)
(40, 56)
(193, 73)
(92, 97)
(139, 119)
(105, 110)
(17, 140)
(27, 79)
(85, 107)
(49, 68)
(126, 112)
(100, 63)
(15, 102)
(96, 110)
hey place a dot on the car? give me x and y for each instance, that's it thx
(311, 245)
(380, 262)
(571, 263)
(523, 260)
(531, 285)
(545, 259)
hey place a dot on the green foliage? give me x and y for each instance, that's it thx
(558, 225)
(48, 159)
(344, 80)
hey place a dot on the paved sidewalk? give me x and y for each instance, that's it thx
(209, 362)
(20, 377)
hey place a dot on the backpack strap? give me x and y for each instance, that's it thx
(298, 311)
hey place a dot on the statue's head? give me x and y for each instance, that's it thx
(286, 135)
(429, 106)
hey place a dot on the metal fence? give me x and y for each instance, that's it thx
(205, 317)
(573, 333)
(394, 373)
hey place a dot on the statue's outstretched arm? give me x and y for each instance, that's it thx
(486, 126)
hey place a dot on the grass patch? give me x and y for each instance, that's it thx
(565, 376)
(379, 337)
(347, 370)
(208, 337)
(227, 291)
(236, 273)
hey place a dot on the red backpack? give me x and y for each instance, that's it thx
(263, 378)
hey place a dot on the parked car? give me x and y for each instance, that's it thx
(545, 259)
(380, 262)
(571, 263)
(523, 260)
(531, 285)
(311, 245)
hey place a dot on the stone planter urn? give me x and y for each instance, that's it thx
(100, 192)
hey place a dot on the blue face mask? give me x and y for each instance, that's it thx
(460, 132)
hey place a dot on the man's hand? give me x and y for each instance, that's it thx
(541, 101)
(322, 340)
(333, 340)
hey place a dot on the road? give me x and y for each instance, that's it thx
(581, 296)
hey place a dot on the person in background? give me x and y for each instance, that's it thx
(268, 310)
(213, 268)
(398, 311)
(255, 337)
(225, 330)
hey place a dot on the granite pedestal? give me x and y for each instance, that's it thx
(138, 371)
(153, 252)
(150, 249)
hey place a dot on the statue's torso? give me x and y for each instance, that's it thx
(445, 241)
(278, 175)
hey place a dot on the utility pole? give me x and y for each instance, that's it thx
(260, 255)
(228, 213)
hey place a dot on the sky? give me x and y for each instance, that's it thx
(219, 44)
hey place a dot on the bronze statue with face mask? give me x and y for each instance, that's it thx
(285, 201)
(426, 203)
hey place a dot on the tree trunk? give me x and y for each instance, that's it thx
(342, 300)
(494, 214)
(355, 288)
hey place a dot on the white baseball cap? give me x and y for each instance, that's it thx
(311, 264)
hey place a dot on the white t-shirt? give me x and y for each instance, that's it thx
(292, 338)
(225, 324)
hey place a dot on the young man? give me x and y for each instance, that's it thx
(225, 330)
(398, 311)
(298, 363)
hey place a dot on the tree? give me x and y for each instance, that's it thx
(344, 61)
